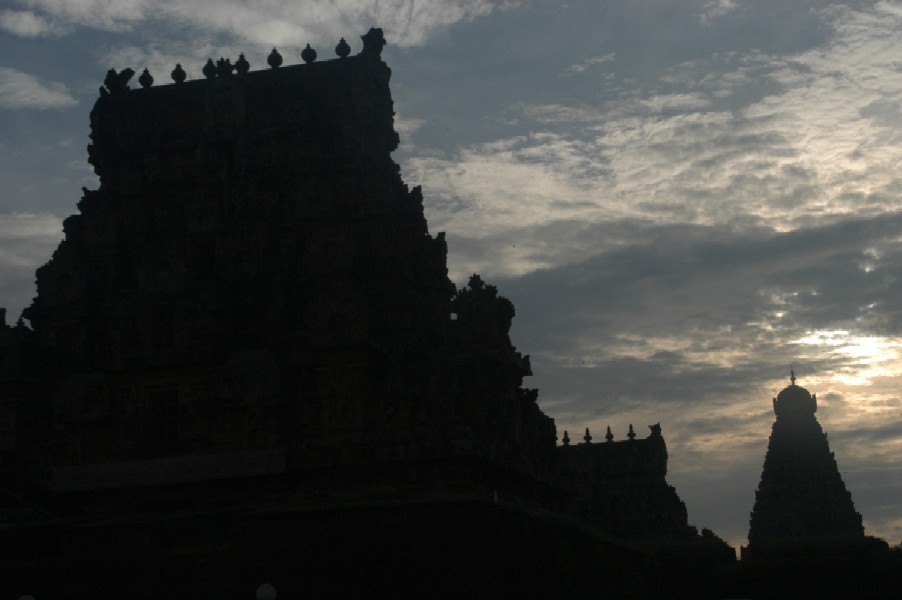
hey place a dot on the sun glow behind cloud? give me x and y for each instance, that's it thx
(866, 357)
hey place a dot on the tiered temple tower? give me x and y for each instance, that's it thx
(801, 495)
(253, 290)
(249, 329)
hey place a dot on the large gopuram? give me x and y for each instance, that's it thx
(801, 496)
(254, 287)
(246, 363)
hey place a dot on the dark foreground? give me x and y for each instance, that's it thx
(465, 549)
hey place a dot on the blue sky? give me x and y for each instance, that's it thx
(681, 197)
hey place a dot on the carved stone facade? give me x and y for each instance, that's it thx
(801, 495)
(253, 292)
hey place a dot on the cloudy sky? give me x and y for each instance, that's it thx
(681, 197)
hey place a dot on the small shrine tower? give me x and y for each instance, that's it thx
(801, 495)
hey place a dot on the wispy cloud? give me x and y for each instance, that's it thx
(822, 143)
(589, 62)
(96, 14)
(715, 9)
(25, 23)
(20, 90)
(268, 22)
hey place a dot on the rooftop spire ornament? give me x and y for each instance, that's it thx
(178, 73)
(241, 65)
(342, 49)
(146, 79)
(308, 55)
(274, 59)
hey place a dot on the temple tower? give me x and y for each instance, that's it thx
(801, 494)
(253, 284)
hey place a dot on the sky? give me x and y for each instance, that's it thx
(682, 198)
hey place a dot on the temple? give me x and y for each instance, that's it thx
(248, 339)
(254, 286)
(801, 495)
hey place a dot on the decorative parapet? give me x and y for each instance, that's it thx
(617, 458)
(621, 485)
(117, 82)
(165, 131)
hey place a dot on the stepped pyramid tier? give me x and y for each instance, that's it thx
(801, 494)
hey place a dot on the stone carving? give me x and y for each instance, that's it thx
(373, 42)
(117, 83)
(224, 67)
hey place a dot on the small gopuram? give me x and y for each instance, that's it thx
(801, 496)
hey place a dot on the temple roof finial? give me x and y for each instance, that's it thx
(792, 376)
(373, 41)
(178, 73)
(342, 49)
(274, 59)
(308, 55)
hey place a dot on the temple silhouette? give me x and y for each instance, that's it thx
(245, 364)
(801, 495)
(805, 537)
